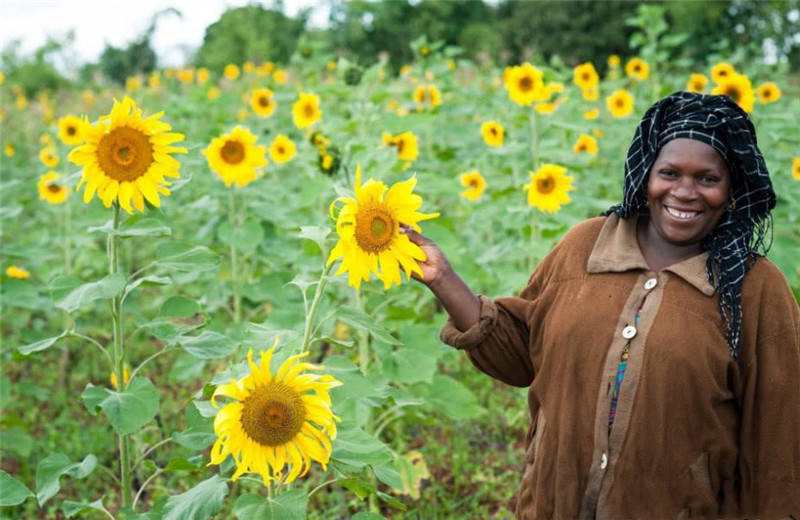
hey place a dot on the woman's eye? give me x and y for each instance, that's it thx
(709, 180)
(668, 173)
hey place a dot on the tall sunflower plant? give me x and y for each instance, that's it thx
(126, 161)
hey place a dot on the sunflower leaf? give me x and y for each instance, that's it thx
(202, 501)
(316, 233)
(127, 411)
(71, 508)
(453, 398)
(137, 228)
(207, 345)
(13, 491)
(41, 344)
(186, 257)
(51, 468)
(290, 505)
(361, 320)
(106, 288)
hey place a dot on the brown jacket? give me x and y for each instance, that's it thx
(697, 434)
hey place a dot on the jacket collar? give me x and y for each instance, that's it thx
(617, 250)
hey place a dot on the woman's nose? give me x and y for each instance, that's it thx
(685, 189)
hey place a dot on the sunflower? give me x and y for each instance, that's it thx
(213, 93)
(48, 156)
(722, 71)
(548, 188)
(493, 133)
(585, 76)
(796, 168)
(524, 84)
(127, 157)
(70, 130)
(369, 232)
(475, 184)
(306, 111)
(282, 149)
(276, 419)
(585, 143)
(263, 102)
(133, 83)
(231, 71)
(738, 88)
(126, 377)
(265, 69)
(591, 114)
(185, 76)
(329, 160)
(406, 144)
(17, 272)
(613, 61)
(235, 156)
(50, 190)
(590, 94)
(637, 68)
(697, 83)
(248, 67)
(620, 103)
(768, 92)
(154, 80)
(420, 93)
(202, 75)
(428, 93)
(280, 76)
(546, 108)
(22, 102)
(9, 150)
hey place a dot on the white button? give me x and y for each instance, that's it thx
(649, 284)
(629, 332)
(603, 461)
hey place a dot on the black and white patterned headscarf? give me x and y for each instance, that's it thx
(732, 246)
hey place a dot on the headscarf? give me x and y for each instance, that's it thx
(733, 245)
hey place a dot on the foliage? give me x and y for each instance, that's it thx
(35, 73)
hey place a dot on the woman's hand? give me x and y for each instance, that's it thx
(436, 265)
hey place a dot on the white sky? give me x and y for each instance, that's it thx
(118, 22)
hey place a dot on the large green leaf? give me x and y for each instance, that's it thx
(135, 227)
(106, 288)
(51, 468)
(208, 345)
(127, 411)
(316, 233)
(12, 491)
(186, 257)
(178, 307)
(360, 320)
(245, 238)
(194, 438)
(290, 505)
(198, 503)
(453, 399)
(20, 293)
(43, 344)
(16, 440)
(71, 508)
(357, 448)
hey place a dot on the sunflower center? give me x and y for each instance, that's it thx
(308, 110)
(733, 93)
(493, 131)
(473, 183)
(125, 153)
(585, 76)
(232, 152)
(619, 102)
(767, 94)
(71, 130)
(54, 188)
(526, 83)
(546, 185)
(273, 414)
(263, 101)
(375, 227)
(281, 150)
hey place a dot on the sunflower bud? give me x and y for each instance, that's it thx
(352, 75)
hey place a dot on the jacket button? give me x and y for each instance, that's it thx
(649, 284)
(603, 461)
(629, 332)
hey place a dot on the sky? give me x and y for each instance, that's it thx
(118, 22)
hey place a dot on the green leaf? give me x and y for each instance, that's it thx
(16, 440)
(43, 344)
(388, 474)
(453, 398)
(20, 293)
(363, 321)
(194, 438)
(178, 307)
(12, 491)
(106, 288)
(52, 467)
(132, 227)
(290, 505)
(366, 515)
(359, 486)
(208, 345)
(146, 280)
(244, 238)
(186, 257)
(127, 411)
(198, 503)
(181, 464)
(71, 508)
(316, 233)
(357, 448)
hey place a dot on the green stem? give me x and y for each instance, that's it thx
(534, 139)
(531, 260)
(323, 281)
(237, 299)
(119, 359)
(363, 340)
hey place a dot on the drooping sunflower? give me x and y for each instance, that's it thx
(126, 157)
(17, 272)
(697, 83)
(585, 76)
(369, 232)
(306, 111)
(277, 418)
(796, 168)
(48, 156)
(722, 71)
(231, 71)
(282, 149)
(637, 68)
(548, 188)
(524, 84)
(613, 61)
(738, 88)
(493, 133)
(768, 92)
(585, 144)
(263, 102)
(406, 144)
(50, 190)
(70, 130)
(546, 108)
(235, 156)
(475, 184)
(620, 103)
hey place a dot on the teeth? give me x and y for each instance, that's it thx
(684, 215)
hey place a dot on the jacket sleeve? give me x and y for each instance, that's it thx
(769, 451)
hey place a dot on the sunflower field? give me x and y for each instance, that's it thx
(207, 303)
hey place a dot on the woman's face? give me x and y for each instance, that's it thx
(687, 191)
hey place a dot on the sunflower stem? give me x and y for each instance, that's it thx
(363, 340)
(237, 299)
(534, 139)
(323, 281)
(119, 358)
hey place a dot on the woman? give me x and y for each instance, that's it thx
(661, 351)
